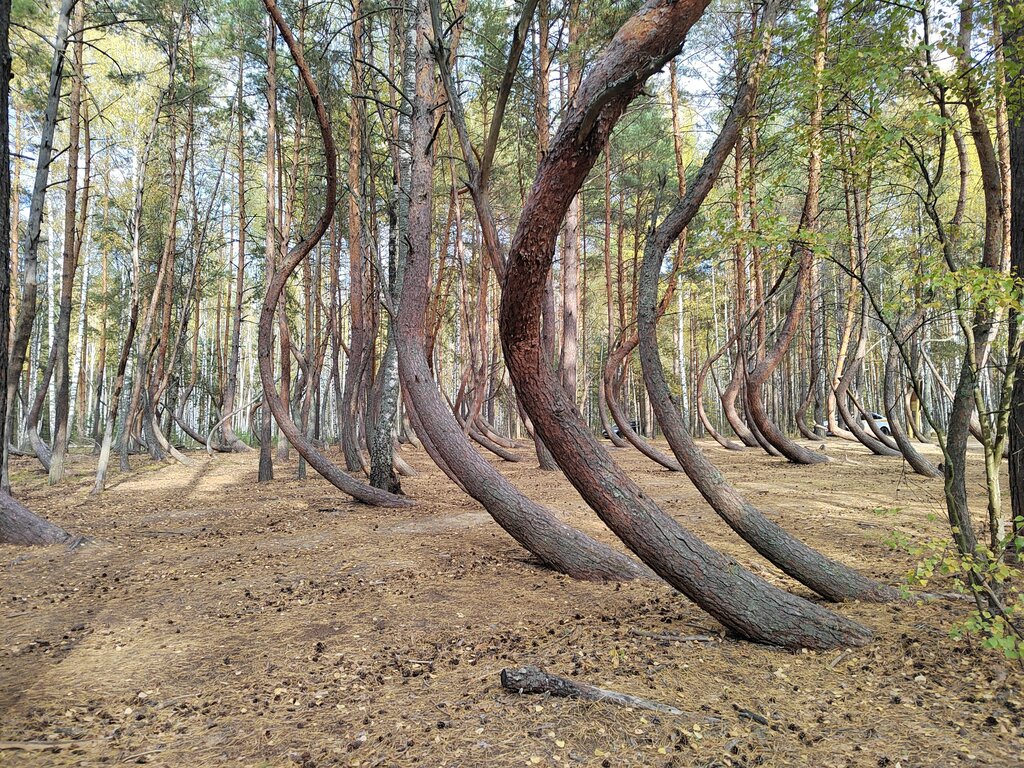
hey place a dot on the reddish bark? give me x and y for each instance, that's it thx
(743, 602)
(536, 528)
(265, 345)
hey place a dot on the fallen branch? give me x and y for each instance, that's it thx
(672, 637)
(535, 680)
(32, 746)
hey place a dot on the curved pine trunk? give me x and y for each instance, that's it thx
(698, 396)
(827, 577)
(536, 528)
(741, 601)
(892, 399)
(612, 383)
(18, 525)
(265, 342)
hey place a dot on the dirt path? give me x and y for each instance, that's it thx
(217, 622)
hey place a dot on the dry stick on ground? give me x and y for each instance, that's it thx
(746, 604)
(536, 680)
(825, 576)
(304, 445)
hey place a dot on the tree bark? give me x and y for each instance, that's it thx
(536, 528)
(744, 603)
(827, 577)
(758, 375)
(26, 313)
(69, 261)
(1012, 36)
(265, 342)
(266, 465)
(18, 525)
(228, 436)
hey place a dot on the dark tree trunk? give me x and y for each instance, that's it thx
(536, 528)
(825, 576)
(1016, 121)
(743, 602)
(18, 525)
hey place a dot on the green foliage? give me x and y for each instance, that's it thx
(990, 579)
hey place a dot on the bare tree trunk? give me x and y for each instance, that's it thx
(358, 342)
(266, 466)
(17, 524)
(536, 528)
(69, 260)
(385, 392)
(228, 436)
(571, 240)
(1013, 38)
(744, 603)
(892, 397)
(265, 343)
(766, 365)
(825, 576)
(26, 313)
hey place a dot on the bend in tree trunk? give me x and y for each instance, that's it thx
(746, 604)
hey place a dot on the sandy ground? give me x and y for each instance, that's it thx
(213, 621)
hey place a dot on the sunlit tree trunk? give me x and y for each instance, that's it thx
(266, 466)
(26, 313)
(743, 602)
(18, 525)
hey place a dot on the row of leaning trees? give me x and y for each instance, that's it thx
(746, 604)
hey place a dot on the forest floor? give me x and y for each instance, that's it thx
(214, 621)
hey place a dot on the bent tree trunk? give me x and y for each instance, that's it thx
(265, 343)
(893, 399)
(612, 385)
(825, 576)
(731, 394)
(556, 544)
(702, 414)
(759, 374)
(741, 601)
(18, 525)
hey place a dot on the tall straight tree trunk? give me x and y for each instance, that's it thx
(26, 313)
(18, 525)
(69, 261)
(357, 344)
(266, 467)
(1015, 99)
(385, 391)
(571, 247)
(228, 436)
(82, 377)
(542, 68)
